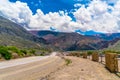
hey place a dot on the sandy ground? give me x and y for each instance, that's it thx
(83, 69)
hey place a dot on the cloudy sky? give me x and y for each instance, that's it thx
(64, 15)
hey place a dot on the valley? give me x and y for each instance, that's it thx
(27, 54)
(59, 39)
(12, 34)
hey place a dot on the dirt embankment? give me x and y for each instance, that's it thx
(83, 69)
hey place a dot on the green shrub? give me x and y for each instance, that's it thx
(77, 54)
(32, 51)
(24, 51)
(109, 51)
(45, 50)
(13, 49)
(5, 53)
(89, 52)
(68, 61)
(42, 54)
(118, 52)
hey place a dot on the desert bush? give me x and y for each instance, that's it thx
(68, 61)
(118, 52)
(32, 51)
(0, 56)
(5, 53)
(109, 51)
(89, 53)
(77, 54)
(45, 50)
(15, 50)
(42, 54)
(24, 51)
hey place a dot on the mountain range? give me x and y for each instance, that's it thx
(15, 35)
(75, 41)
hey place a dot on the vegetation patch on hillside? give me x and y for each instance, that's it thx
(12, 52)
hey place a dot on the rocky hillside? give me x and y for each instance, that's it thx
(15, 35)
(115, 46)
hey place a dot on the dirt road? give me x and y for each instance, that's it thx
(35, 68)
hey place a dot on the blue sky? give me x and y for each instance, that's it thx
(64, 15)
(52, 5)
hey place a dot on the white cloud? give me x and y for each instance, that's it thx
(58, 20)
(95, 17)
(20, 12)
(82, 15)
(77, 5)
(97, 7)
